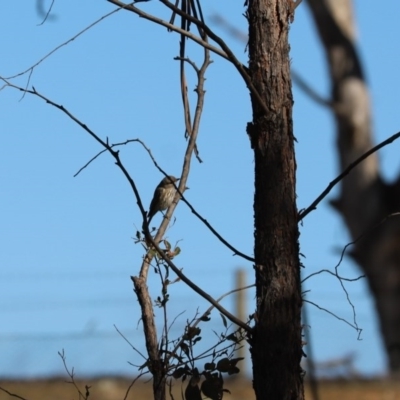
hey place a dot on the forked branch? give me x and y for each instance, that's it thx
(224, 50)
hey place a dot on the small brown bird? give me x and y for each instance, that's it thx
(163, 196)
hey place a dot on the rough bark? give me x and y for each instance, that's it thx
(276, 342)
(365, 199)
(156, 365)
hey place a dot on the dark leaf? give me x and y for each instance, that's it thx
(234, 361)
(232, 337)
(224, 321)
(192, 391)
(185, 348)
(233, 370)
(209, 366)
(212, 386)
(179, 372)
(224, 365)
(191, 332)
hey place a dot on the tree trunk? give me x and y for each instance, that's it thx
(365, 199)
(276, 343)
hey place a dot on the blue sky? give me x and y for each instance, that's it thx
(67, 248)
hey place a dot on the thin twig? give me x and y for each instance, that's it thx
(47, 13)
(91, 160)
(30, 69)
(130, 344)
(12, 394)
(334, 274)
(72, 376)
(231, 56)
(189, 61)
(170, 26)
(175, 319)
(308, 90)
(208, 353)
(208, 311)
(226, 52)
(384, 220)
(132, 383)
(360, 159)
(367, 232)
(359, 330)
(220, 238)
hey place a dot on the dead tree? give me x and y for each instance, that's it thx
(276, 342)
(366, 202)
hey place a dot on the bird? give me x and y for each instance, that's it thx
(163, 196)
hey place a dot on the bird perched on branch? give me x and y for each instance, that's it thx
(163, 196)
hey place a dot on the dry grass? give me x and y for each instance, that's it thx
(116, 388)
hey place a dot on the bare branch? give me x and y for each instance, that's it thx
(130, 344)
(72, 376)
(225, 53)
(231, 56)
(208, 311)
(189, 61)
(39, 6)
(340, 278)
(360, 159)
(220, 238)
(30, 69)
(359, 330)
(367, 232)
(308, 90)
(159, 21)
(132, 383)
(333, 274)
(184, 90)
(91, 160)
(12, 394)
(230, 28)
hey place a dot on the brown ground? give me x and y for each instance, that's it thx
(116, 388)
